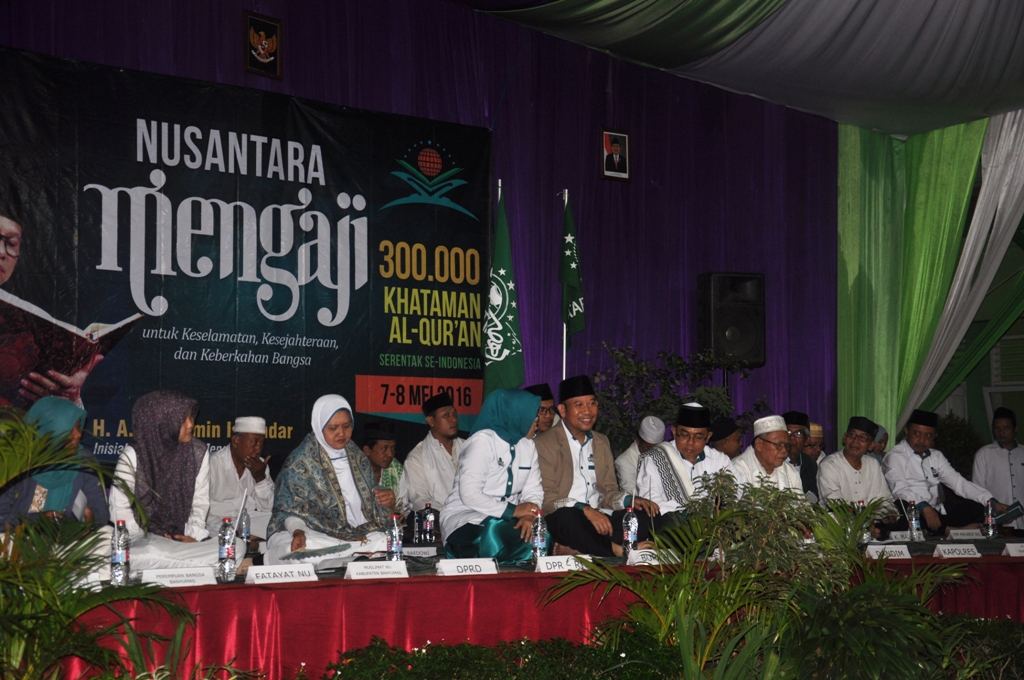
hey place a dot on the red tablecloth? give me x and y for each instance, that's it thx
(994, 589)
(274, 628)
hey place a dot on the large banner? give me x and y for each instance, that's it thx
(253, 250)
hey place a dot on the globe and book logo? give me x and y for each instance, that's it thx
(428, 178)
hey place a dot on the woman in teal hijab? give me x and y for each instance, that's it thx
(490, 511)
(55, 491)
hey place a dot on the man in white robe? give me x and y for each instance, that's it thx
(672, 473)
(999, 466)
(430, 467)
(238, 470)
(850, 475)
(764, 461)
(651, 433)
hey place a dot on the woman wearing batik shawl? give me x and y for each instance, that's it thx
(324, 503)
(489, 512)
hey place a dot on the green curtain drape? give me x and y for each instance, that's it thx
(902, 206)
(978, 348)
(660, 33)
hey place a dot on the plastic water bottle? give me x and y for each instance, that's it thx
(630, 524)
(990, 519)
(914, 518)
(120, 555)
(226, 564)
(395, 539)
(417, 527)
(539, 537)
(244, 529)
(866, 536)
(429, 524)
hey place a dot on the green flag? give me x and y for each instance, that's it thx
(503, 351)
(569, 275)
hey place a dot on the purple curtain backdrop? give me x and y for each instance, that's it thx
(721, 181)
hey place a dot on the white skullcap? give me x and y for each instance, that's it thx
(769, 424)
(652, 430)
(250, 424)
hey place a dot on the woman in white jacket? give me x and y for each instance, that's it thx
(489, 512)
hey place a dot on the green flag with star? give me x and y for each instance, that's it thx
(502, 349)
(569, 275)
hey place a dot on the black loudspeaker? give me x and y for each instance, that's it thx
(730, 316)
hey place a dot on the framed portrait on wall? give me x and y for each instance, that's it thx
(615, 158)
(263, 54)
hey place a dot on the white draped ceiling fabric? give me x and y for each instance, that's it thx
(895, 66)
(997, 214)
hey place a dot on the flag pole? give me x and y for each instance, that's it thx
(565, 332)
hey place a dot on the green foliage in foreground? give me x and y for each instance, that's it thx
(997, 642)
(740, 594)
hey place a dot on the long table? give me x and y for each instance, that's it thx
(276, 628)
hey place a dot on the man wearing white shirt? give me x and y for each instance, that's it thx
(850, 475)
(430, 467)
(672, 473)
(651, 433)
(999, 466)
(578, 475)
(914, 471)
(764, 461)
(238, 470)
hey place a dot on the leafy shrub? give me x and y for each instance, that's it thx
(635, 388)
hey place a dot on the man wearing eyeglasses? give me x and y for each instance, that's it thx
(851, 475)
(798, 426)
(764, 461)
(546, 412)
(814, 446)
(671, 473)
(10, 247)
(914, 471)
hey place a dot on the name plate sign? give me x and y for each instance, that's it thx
(467, 567)
(1014, 550)
(899, 536)
(546, 565)
(180, 578)
(892, 552)
(388, 569)
(281, 573)
(410, 551)
(642, 557)
(965, 534)
(956, 551)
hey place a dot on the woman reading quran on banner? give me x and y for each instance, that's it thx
(489, 512)
(326, 504)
